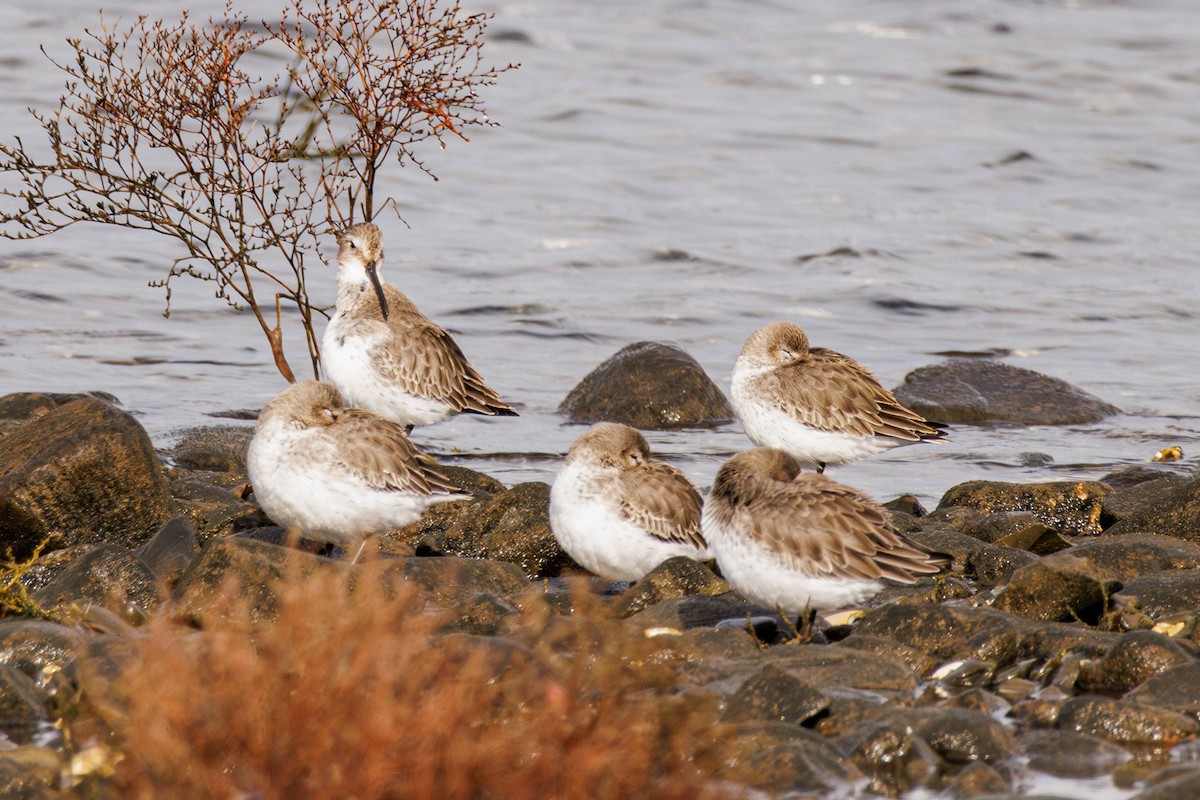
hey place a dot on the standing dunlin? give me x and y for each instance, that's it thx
(386, 356)
(793, 540)
(822, 407)
(338, 474)
(620, 513)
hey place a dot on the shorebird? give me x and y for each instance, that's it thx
(386, 356)
(797, 541)
(338, 474)
(822, 407)
(618, 512)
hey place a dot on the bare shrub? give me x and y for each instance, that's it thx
(355, 694)
(168, 127)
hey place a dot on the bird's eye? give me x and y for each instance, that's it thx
(635, 458)
(353, 246)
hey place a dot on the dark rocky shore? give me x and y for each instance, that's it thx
(1062, 641)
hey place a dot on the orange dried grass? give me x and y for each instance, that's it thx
(351, 693)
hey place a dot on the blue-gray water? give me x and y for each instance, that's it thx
(748, 134)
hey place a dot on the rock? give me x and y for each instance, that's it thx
(945, 632)
(821, 666)
(32, 646)
(1176, 689)
(1162, 594)
(1136, 657)
(85, 471)
(22, 705)
(975, 780)
(213, 448)
(108, 576)
(786, 759)
(1125, 722)
(245, 568)
(1059, 587)
(1066, 754)
(1071, 507)
(697, 611)
(891, 756)
(649, 386)
(921, 663)
(1183, 786)
(170, 550)
(30, 772)
(214, 510)
(774, 695)
(961, 736)
(481, 615)
(1171, 510)
(994, 565)
(676, 577)
(971, 390)
(450, 581)
(1132, 555)
(1142, 498)
(512, 526)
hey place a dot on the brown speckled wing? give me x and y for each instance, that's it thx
(379, 452)
(659, 498)
(423, 359)
(822, 528)
(829, 391)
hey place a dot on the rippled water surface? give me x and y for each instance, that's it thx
(1017, 177)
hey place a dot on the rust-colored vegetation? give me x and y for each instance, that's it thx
(172, 127)
(357, 693)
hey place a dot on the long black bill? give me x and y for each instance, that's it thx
(378, 289)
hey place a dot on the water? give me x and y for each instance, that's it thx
(748, 135)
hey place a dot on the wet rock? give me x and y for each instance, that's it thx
(975, 780)
(1141, 498)
(676, 577)
(1175, 689)
(825, 666)
(994, 565)
(512, 526)
(1132, 555)
(214, 510)
(85, 471)
(449, 581)
(1125, 722)
(774, 695)
(1067, 754)
(850, 709)
(1046, 641)
(649, 386)
(1059, 587)
(1163, 594)
(1170, 511)
(1182, 786)
(802, 762)
(24, 406)
(170, 550)
(30, 772)
(906, 504)
(1069, 507)
(921, 662)
(992, 528)
(1136, 657)
(247, 569)
(107, 576)
(974, 390)
(893, 759)
(213, 448)
(31, 646)
(961, 736)
(945, 632)
(481, 615)
(22, 705)
(698, 611)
